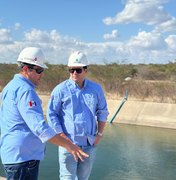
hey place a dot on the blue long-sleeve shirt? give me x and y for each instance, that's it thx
(76, 111)
(23, 127)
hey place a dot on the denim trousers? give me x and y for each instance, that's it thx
(72, 170)
(22, 171)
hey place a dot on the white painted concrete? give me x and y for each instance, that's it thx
(145, 113)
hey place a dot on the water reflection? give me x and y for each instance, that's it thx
(126, 153)
(135, 152)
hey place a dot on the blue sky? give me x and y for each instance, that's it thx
(107, 31)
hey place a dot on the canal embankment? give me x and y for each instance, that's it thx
(137, 112)
(144, 113)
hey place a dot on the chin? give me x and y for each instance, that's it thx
(75, 79)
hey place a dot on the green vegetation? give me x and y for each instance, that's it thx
(154, 82)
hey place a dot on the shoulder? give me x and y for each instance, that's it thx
(18, 91)
(60, 87)
(93, 84)
(19, 85)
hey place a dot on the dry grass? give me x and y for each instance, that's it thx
(144, 90)
(156, 83)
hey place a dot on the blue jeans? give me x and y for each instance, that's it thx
(70, 169)
(22, 171)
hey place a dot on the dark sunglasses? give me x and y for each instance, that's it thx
(38, 70)
(78, 70)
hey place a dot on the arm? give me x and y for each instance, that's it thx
(101, 125)
(53, 111)
(102, 113)
(31, 111)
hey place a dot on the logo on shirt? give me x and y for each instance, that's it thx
(90, 100)
(32, 103)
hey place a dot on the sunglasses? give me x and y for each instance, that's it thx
(78, 70)
(38, 70)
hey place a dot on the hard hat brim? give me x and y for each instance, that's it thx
(35, 64)
(77, 65)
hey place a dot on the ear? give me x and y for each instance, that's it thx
(25, 68)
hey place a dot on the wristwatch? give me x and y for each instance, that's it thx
(100, 134)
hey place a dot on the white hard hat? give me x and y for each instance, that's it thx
(32, 55)
(77, 59)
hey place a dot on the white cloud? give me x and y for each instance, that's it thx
(113, 35)
(36, 35)
(5, 36)
(146, 11)
(58, 48)
(171, 41)
(168, 26)
(145, 47)
(147, 41)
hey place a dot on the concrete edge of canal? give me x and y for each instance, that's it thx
(138, 112)
(145, 113)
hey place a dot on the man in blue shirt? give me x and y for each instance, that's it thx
(23, 127)
(78, 110)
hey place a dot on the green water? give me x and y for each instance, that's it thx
(125, 153)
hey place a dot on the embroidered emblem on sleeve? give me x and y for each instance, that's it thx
(32, 103)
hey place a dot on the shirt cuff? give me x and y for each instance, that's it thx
(58, 129)
(47, 134)
(102, 118)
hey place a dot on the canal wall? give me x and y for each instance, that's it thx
(144, 113)
(138, 112)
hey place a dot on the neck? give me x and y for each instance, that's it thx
(24, 74)
(80, 83)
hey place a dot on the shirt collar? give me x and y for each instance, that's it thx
(19, 76)
(76, 85)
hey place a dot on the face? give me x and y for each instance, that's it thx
(78, 74)
(33, 74)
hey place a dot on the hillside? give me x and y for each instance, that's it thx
(153, 82)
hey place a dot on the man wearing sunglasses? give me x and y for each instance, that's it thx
(24, 131)
(78, 110)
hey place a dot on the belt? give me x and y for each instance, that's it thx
(26, 162)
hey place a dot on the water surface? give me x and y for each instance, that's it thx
(126, 152)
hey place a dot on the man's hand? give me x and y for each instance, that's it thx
(62, 140)
(76, 152)
(97, 139)
(74, 149)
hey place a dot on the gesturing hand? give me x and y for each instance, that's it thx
(77, 152)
